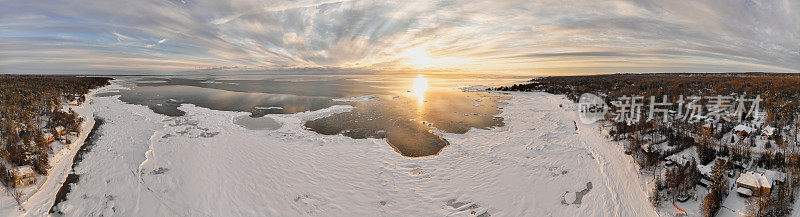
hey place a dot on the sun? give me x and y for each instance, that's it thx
(418, 58)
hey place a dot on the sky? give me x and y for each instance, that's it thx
(510, 36)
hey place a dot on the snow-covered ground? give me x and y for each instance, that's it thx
(42, 195)
(541, 163)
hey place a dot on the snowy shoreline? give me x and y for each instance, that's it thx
(61, 162)
(204, 164)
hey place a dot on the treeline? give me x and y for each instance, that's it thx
(780, 94)
(30, 107)
(779, 90)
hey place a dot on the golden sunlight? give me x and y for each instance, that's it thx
(420, 86)
(418, 58)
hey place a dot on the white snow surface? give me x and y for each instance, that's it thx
(357, 99)
(202, 164)
(474, 88)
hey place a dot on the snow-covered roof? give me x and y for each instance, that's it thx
(744, 191)
(754, 179)
(774, 175)
(745, 128)
(47, 135)
(704, 169)
(768, 131)
(20, 171)
(59, 128)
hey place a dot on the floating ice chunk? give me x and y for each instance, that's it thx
(268, 108)
(173, 101)
(358, 99)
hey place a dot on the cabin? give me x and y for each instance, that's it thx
(48, 138)
(73, 133)
(775, 177)
(23, 176)
(743, 130)
(753, 183)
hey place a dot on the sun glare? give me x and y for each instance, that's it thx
(418, 58)
(420, 86)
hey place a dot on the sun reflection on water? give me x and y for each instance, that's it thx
(420, 86)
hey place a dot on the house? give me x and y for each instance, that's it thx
(743, 130)
(756, 183)
(23, 176)
(776, 178)
(48, 138)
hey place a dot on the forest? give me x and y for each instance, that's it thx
(32, 114)
(672, 148)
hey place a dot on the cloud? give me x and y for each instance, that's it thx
(579, 36)
(157, 43)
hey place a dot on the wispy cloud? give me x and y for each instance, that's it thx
(157, 43)
(577, 36)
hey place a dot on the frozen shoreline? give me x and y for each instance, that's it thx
(61, 163)
(204, 164)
